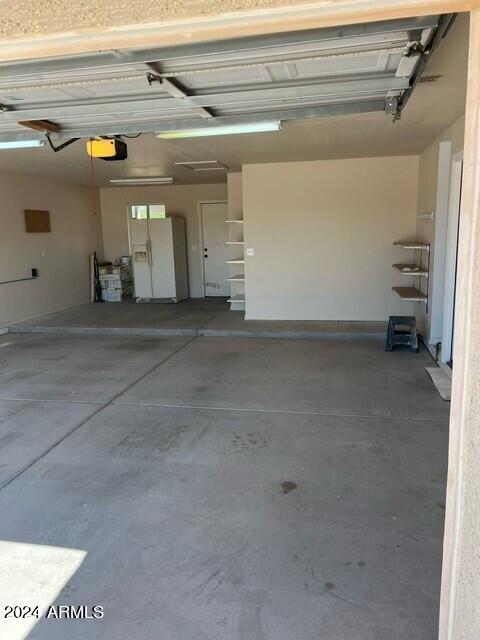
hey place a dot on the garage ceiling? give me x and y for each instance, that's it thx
(355, 69)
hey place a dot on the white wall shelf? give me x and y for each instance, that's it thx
(236, 242)
(415, 269)
(411, 270)
(426, 216)
(410, 294)
(412, 244)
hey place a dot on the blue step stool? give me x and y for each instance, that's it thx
(402, 332)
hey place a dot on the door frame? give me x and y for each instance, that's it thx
(200, 236)
(451, 250)
(460, 543)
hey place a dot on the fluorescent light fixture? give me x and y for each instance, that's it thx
(221, 130)
(21, 144)
(140, 181)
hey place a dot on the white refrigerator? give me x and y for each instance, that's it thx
(159, 258)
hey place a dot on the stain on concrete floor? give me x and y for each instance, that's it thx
(288, 486)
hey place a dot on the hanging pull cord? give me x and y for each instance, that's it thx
(92, 186)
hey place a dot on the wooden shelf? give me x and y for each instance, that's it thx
(240, 277)
(234, 221)
(411, 270)
(235, 242)
(236, 261)
(239, 297)
(410, 294)
(412, 244)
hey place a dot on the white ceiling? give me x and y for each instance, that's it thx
(432, 107)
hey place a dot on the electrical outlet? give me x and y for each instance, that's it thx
(250, 252)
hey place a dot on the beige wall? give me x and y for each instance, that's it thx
(322, 234)
(180, 200)
(433, 197)
(235, 200)
(62, 256)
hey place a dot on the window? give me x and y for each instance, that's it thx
(144, 211)
(156, 211)
(139, 211)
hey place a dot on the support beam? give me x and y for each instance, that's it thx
(460, 595)
(174, 89)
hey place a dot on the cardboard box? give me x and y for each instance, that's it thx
(103, 270)
(114, 295)
(123, 271)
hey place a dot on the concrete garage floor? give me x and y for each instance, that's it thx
(222, 488)
(193, 317)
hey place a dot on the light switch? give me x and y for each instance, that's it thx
(194, 247)
(250, 252)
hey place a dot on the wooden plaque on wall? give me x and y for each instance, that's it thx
(37, 221)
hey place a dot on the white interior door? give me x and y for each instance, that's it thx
(214, 234)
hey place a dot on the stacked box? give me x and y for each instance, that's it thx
(116, 283)
(112, 295)
(112, 281)
(104, 269)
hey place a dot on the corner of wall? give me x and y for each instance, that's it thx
(433, 197)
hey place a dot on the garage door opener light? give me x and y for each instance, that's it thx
(222, 130)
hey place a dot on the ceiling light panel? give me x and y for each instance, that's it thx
(142, 181)
(203, 165)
